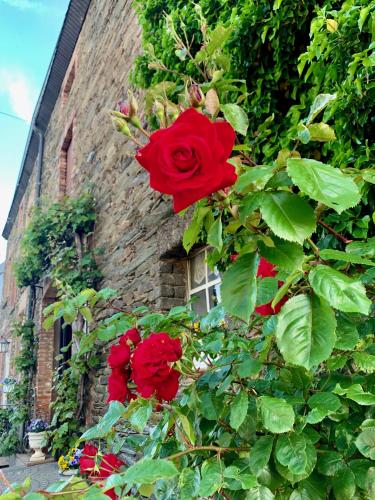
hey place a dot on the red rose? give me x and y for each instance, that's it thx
(118, 385)
(87, 460)
(189, 159)
(233, 257)
(267, 270)
(109, 465)
(132, 335)
(119, 355)
(151, 369)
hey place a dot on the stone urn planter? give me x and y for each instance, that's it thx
(37, 441)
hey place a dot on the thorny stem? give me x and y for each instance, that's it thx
(335, 233)
(217, 449)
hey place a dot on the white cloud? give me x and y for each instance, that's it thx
(31, 5)
(20, 92)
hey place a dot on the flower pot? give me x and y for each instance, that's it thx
(37, 441)
(69, 472)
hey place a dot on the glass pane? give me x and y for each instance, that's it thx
(213, 275)
(214, 295)
(199, 305)
(197, 270)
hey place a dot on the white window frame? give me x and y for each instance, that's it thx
(207, 284)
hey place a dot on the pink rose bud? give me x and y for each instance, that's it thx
(123, 108)
(196, 96)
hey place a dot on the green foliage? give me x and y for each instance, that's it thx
(49, 245)
(19, 395)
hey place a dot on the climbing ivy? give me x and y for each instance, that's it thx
(55, 243)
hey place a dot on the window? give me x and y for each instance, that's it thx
(67, 85)
(66, 163)
(204, 284)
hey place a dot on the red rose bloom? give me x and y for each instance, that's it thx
(119, 355)
(151, 369)
(267, 270)
(188, 160)
(118, 385)
(132, 335)
(109, 465)
(87, 459)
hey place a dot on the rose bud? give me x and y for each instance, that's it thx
(123, 108)
(159, 111)
(121, 125)
(196, 96)
(133, 104)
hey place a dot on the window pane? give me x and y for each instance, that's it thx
(197, 270)
(214, 295)
(199, 305)
(213, 275)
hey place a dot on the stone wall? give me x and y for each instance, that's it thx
(136, 229)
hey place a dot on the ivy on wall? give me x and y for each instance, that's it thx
(56, 244)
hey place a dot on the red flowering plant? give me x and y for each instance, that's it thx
(281, 405)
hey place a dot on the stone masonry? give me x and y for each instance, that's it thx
(136, 228)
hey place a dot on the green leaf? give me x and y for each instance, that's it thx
(277, 415)
(321, 132)
(364, 361)
(191, 234)
(86, 313)
(340, 291)
(360, 468)
(247, 480)
(311, 457)
(148, 470)
(346, 333)
(248, 367)
(305, 331)
(365, 442)
(356, 393)
(290, 451)
(254, 178)
(213, 319)
(215, 234)
(188, 483)
(320, 102)
(115, 411)
(330, 462)
(328, 254)
(266, 291)
(218, 38)
(187, 427)
(238, 289)
(368, 176)
(236, 116)
(344, 484)
(140, 417)
(248, 204)
(212, 478)
(259, 493)
(324, 183)
(260, 454)
(288, 215)
(324, 401)
(303, 133)
(287, 256)
(238, 410)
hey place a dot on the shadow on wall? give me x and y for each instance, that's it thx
(2, 269)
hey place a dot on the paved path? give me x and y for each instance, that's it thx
(41, 475)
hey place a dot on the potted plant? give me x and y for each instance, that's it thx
(69, 464)
(37, 438)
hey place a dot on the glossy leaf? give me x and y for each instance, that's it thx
(277, 415)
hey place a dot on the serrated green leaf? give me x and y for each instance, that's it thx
(148, 470)
(364, 361)
(191, 234)
(365, 443)
(238, 289)
(287, 256)
(188, 483)
(254, 178)
(329, 254)
(340, 291)
(329, 462)
(259, 493)
(212, 478)
(277, 415)
(320, 102)
(115, 411)
(324, 183)
(288, 215)
(238, 410)
(236, 116)
(305, 331)
(215, 234)
(187, 427)
(303, 133)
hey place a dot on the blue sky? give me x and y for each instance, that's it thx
(28, 33)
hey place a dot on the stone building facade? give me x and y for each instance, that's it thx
(136, 228)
